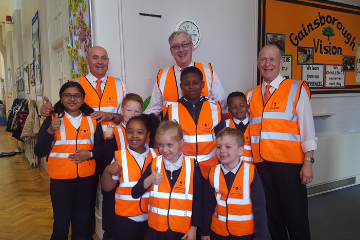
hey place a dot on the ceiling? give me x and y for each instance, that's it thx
(4, 8)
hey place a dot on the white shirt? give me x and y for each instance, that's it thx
(234, 170)
(75, 121)
(173, 166)
(140, 159)
(303, 113)
(237, 121)
(217, 93)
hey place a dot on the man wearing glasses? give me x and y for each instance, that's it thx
(167, 88)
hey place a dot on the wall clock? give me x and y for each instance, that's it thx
(192, 28)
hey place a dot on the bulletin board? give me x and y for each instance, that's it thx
(319, 40)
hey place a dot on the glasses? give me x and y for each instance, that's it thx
(183, 45)
(68, 96)
(264, 60)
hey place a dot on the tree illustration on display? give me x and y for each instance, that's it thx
(328, 32)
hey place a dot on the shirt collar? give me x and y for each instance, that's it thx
(136, 154)
(177, 68)
(71, 117)
(91, 78)
(176, 165)
(237, 121)
(274, 83)
(234, 170)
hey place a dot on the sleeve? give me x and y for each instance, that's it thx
(218, 92)
(221, 125)
(259, 208)
(208, 205)
(97, 151)
(138, 190)
(156, 101)
(306, 122)
(166, 117)
(44, 142)
(110, 146)
(197, 198)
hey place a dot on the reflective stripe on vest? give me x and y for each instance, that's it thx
(120, 136)
(125, 204)
(66, 141)
(279, 119)
(230, 123)
(233, 212)
(172, 208)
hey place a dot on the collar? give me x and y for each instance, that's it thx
(78, 118)
(234, 170)
(274, 83)
(123, 124)
(173, 166)
(184, 101)
(136, 154)
(91, 78)
(177, 68)
(237, 121)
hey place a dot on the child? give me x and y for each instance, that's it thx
(130, 221)
(175, 188)
(201, 119)
(237, 106)
(234, 200)
(72, 141)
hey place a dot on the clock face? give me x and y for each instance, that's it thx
(192, 29)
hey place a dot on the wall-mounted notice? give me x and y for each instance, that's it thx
(286, 69)
(334, 76)
(313, 74)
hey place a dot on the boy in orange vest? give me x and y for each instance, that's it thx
(234, 200)
(200, 118)
(237, 106)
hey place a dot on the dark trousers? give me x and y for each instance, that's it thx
(92, 200)
(152, 234)
(215, 236)
(70, 201)
(286, 200)
(127, 229)
(108, 212)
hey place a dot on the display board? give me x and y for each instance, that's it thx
(319, 40)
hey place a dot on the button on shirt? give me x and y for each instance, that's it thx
(217, 93)
(303, 113)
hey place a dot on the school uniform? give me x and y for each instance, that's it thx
(234, 204)
(238, 124)
(70, 183)
(174, 204)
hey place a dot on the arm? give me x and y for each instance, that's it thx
(221, 125)
(138, 190)
(156, 101)
(100, 116)
(208, 204)
(46, 108)
(44, 142)
(259, 208)
(107, 181)
(97, 151)
(218, 92)
(307, 134)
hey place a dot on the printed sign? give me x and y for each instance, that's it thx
(286, 69)
(334, 76)
(313, 75)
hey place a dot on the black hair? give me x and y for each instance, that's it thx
(59, 108)
(151, 122)
(191, 70)
(235, 94)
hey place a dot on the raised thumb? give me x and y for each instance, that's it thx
(56, 116)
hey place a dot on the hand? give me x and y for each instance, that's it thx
(46, 108)
(205, 237)
(190, 234)
(114, 168)
(306, 173)
(155, 177)
(109, 133)
(80, 156)
(55, 124)
(100, 116)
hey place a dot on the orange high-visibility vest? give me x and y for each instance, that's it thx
(172, 208)
(233, 212)
(275, 134)
(168, 87)
(120, 136)
(125, 204)
(66, 141)
(111, 98)
(230, 123)
(199, 140)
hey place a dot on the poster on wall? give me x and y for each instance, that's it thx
(79, 35)
(26, 77)
(20, 93)
(37, 56)
(276, 39)
(313, 75)
(323, 39)
(286, 69)
(334, 76)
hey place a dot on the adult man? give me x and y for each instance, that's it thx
(283, 143)
(167, 88)
(104, 94)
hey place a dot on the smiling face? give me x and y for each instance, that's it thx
(72, 99)
(228, 151)
(238, 107)
(98, 61)
(169, 146)
(269, 63)
(183, 55)
(191, 85)
(131, 109)
(137, 135)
